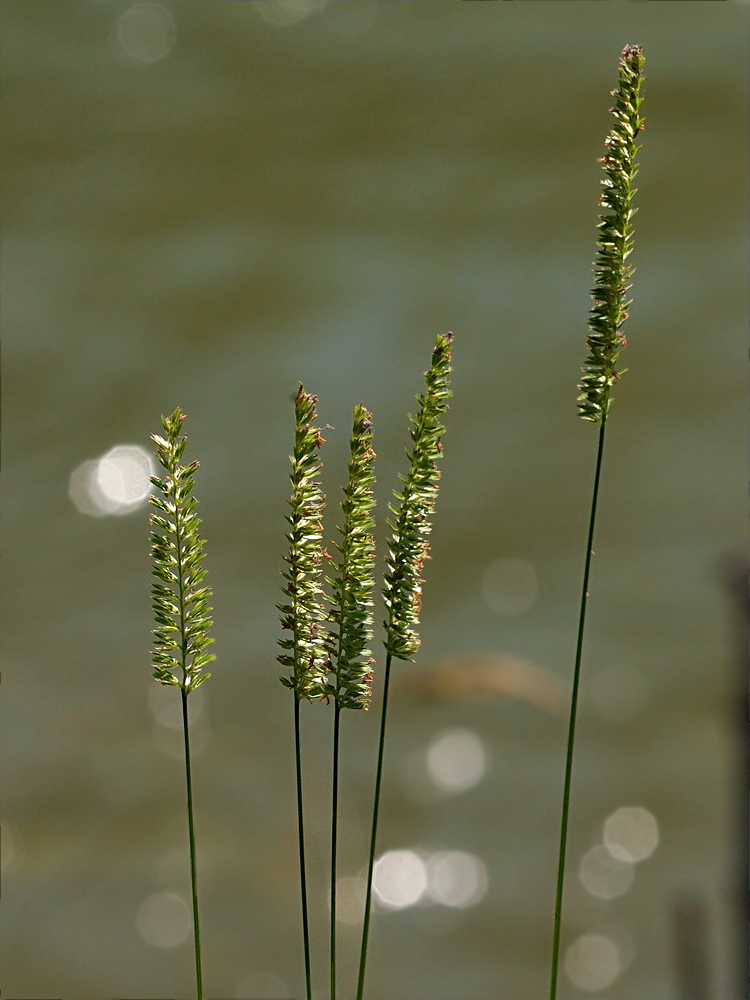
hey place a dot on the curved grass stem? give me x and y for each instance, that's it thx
(301, 833)
(606, 342)
(572, 722)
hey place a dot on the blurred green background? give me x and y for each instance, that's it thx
(209, 202)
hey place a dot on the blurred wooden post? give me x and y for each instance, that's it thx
(691, 948)
(735, 576)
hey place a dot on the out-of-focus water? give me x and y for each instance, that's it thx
(205, 204)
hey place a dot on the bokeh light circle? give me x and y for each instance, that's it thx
(399, 879)
(456, 878)
(456, 760)
(593, 962)
(631, 833)
(604, 875)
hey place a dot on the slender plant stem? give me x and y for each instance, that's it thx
(572, 723)
(334, 823)
(188, 771)
(374, 835)
(191, 832)
(180, 606)
(301, 830)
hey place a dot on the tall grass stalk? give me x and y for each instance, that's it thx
(307, 648)
(408, 551)
(606, 343)
(351, 611)
(180, 606)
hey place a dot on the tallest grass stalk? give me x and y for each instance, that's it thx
(606, 343)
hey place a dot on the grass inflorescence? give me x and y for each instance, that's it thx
(612, 272)
(407, 552)
(180, 606)
(606, 343)
(351, 613)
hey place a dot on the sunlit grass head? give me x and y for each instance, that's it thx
(352, 581)
(303, 616)
(612, 271)
(180, 606)
(606, 343)
(409, 542)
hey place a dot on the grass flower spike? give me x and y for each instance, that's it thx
(408, 551)
(180, 606)
(308, 647)
(606, 343)
(351, 611)
(352, 581)
(409, 542)
(606, 340)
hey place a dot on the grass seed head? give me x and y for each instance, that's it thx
(307, 648)
(180, 606)
(411, 526)
(352, 581)
(612, 272)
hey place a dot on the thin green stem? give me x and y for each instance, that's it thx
(374, 834)
(188, 774)
(191, 831)
(334, 824)
(301, 830)
(180, 607)
(572, 723)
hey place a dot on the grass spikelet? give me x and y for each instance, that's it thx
(612, 272)
(409, 543)
(308, 654)
(180, 606)
(352, 581)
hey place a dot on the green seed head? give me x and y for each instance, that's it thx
(308, 652)
(409, 543)
(612, 273)
(180, 606)
(352, 582)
